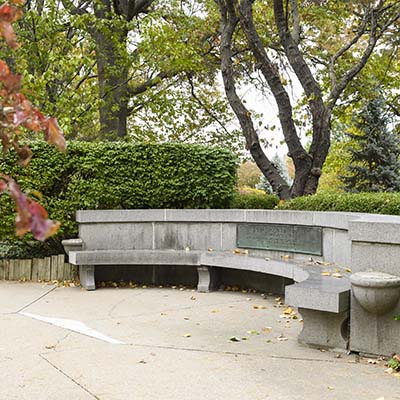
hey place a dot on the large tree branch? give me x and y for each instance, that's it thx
(271, 74)
(320, 115)
(296, 59)
(229, 21)
(149, 83)
(296, 21)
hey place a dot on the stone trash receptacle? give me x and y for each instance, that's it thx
(374, 302)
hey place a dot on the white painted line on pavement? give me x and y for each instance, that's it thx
(73, 325)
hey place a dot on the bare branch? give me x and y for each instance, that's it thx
(374, 35)
(73, 9)
(204, 106)
(346, 47)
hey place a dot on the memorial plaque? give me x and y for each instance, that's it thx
(280, 237)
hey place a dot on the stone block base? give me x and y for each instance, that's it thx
(324, 329)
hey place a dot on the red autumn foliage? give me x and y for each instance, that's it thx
(17, 112)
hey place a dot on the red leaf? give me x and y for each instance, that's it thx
(41, 227)
(12, 83)
(19, 117)
(4, 70)
(53, 134)
(31, 216)
(3, 186)
(8, 15)
(7, 31)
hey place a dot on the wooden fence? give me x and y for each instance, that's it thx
(38, 269)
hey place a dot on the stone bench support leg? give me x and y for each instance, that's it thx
(208, 279)
(86, 277)
(324, 329)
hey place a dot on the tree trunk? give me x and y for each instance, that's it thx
(112, 71)
(113, 88)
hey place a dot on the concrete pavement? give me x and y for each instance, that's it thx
(163, 343)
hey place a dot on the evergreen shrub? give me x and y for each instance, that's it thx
(116, 176)
(254, 199)
(374, 203)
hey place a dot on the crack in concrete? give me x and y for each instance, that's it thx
(69, 377)
(185, 308)
(271, 356)
(112, 308)
(35, 300)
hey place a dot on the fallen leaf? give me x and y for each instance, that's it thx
(281, 338)
(236, 251)
(267, 329)
(325, 273)
(193, 298)
(187, 335)
(259, 307)
(389, 371)
(142, 362)
(348, 270)
(210, 249)
(337, 275)
(234, 339)
(214, 311)
(331, 388)
(253, 332)
(370, 361)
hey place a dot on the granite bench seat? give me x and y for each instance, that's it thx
(324, 304)
(206, 262)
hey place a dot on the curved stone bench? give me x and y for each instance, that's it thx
(184, 237)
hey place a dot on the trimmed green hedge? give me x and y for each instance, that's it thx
(120, 176)
(248, 198)
(375, 203)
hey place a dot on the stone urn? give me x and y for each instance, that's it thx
(376, 292)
